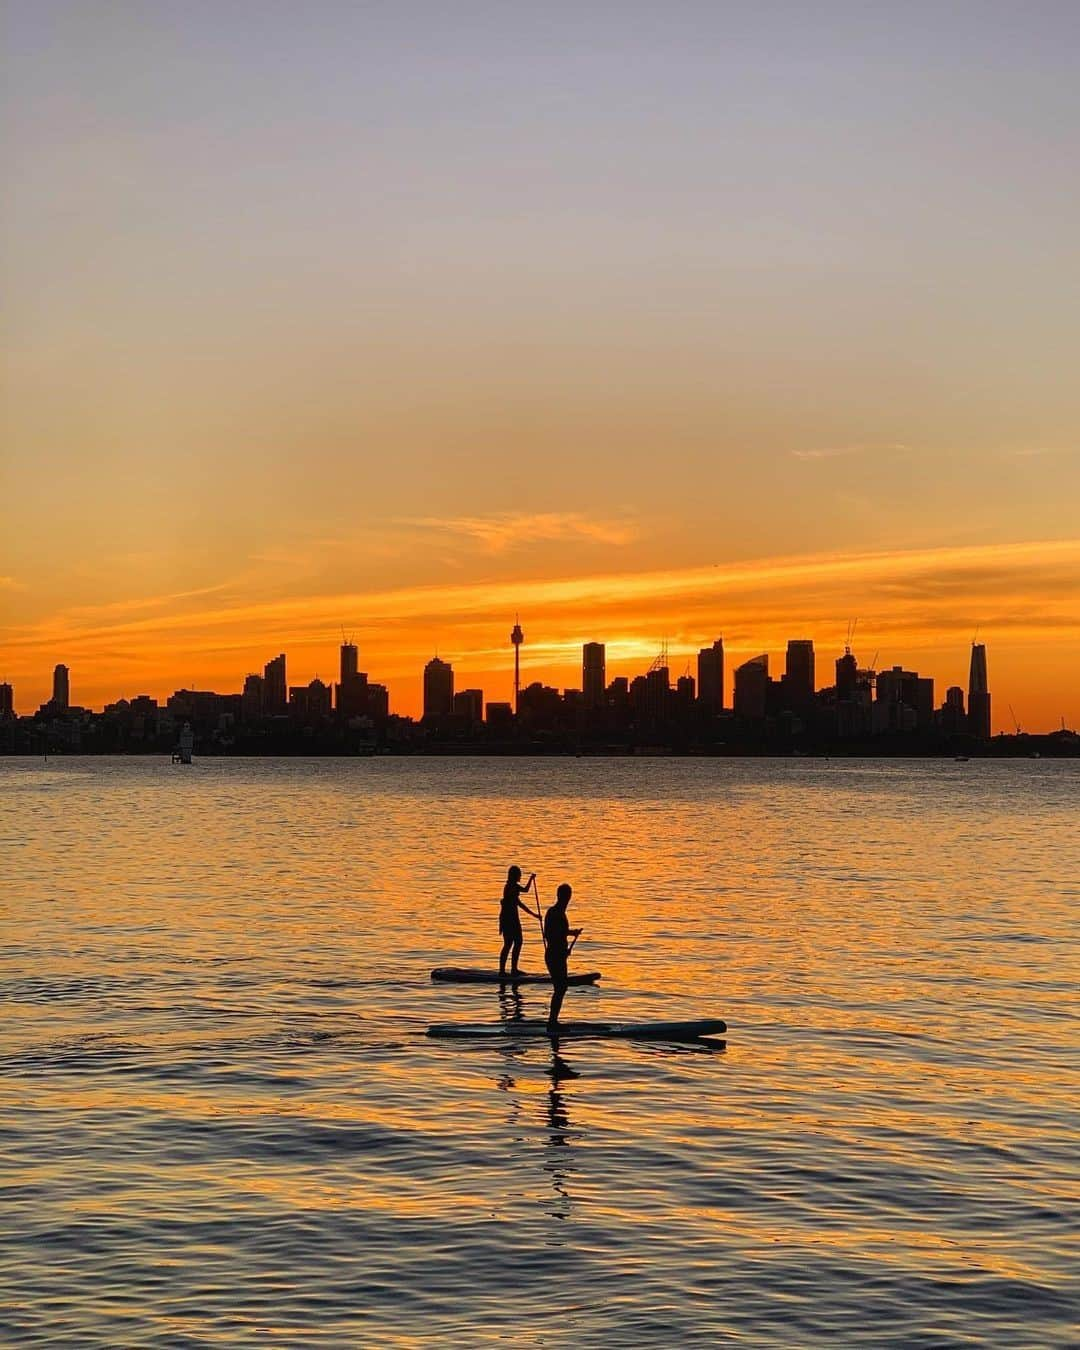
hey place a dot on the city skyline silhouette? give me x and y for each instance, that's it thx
(867, 709)
(921, 606)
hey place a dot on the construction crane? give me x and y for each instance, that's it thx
(1016, 724)
(661, 658)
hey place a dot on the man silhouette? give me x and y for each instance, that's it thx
(557, 934)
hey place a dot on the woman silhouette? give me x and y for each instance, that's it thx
(510, 919)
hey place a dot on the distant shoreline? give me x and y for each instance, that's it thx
(1053, 745)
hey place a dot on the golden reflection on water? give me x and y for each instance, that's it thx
(216, 990)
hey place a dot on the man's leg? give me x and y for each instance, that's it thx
(558, 993)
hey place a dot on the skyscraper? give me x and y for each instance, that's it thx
(681, 702)
(469, 704)
(61, 690)
(657, 692)
(275, 687)
(847, 674)
(978, 693)
(318, 699)
(350, 662)
(799, 672)
(7, 702)
(377, 699)
(352, 690)
(751, 688)
(251, 700)
(904, 702)
(710, 676)
(593, 676)
(438, 688)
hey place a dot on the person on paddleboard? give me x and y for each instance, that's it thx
(510, 917)
(557, 944)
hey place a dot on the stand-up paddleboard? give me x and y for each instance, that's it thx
(467, 975)
(526, 1029)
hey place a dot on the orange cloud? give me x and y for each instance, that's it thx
(838, 451)
(118, 607)
(498, 533)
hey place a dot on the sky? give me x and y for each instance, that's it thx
(649, 323)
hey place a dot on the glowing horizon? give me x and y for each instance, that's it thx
(916, 607)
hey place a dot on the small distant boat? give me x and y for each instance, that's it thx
(961, 759)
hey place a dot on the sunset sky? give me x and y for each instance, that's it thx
(647, 322)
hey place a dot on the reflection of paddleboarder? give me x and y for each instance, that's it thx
(559, 1164)
(509, 919)
(511, 1004)
(557, 934)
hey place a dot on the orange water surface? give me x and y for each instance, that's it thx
(222, 1124)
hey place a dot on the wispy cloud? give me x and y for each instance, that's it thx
(118, 608)
(808, 585)
(1034, 451)
(496, 534)
(838, 451)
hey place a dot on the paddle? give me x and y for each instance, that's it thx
(539, 916)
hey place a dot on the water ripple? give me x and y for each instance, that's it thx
(221, 1123)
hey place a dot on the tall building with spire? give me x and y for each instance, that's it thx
(978, 693)
(517, 637)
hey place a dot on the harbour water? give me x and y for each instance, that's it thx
(221, 1123)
